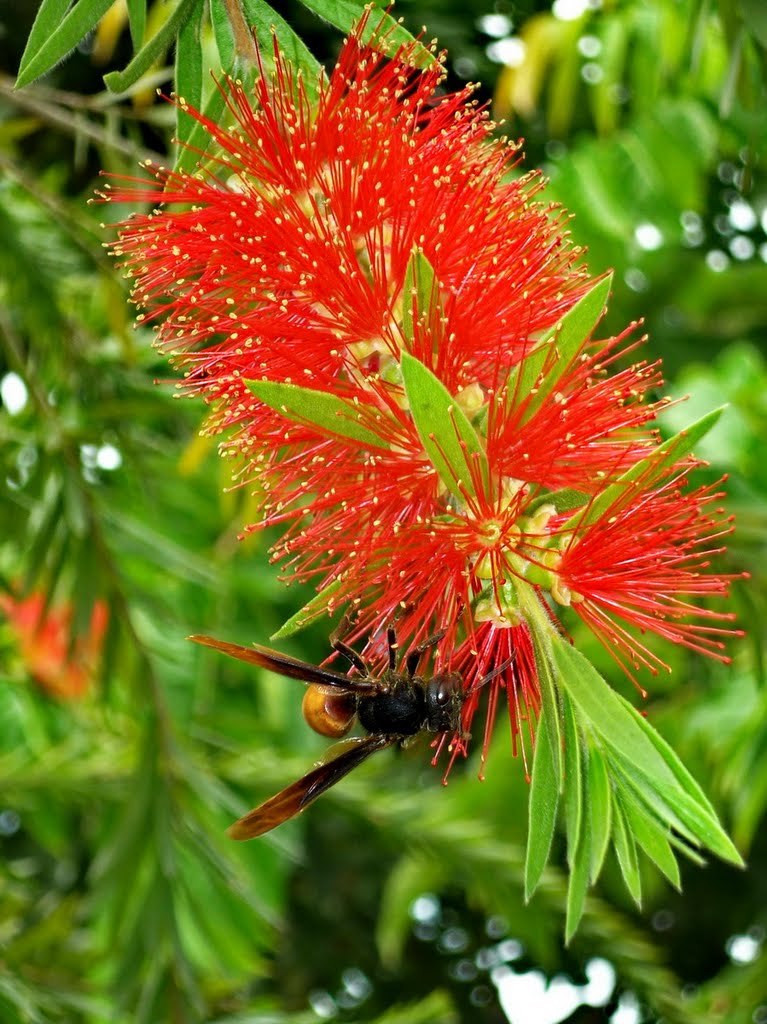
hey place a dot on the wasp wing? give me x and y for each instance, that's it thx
(284, 665)
(291, 801)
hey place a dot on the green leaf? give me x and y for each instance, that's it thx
(598, 706)
(319, 605)
(576, 820)
(154, 50)
(682, 775)
(702, 825)
(648, 470)
(652, 837)
(631, 778)
(50, 15)
(599, 804)
(682, 796)
(565, 500)
(420, 292)
(448, 437)
(626, 737)
(579, 882)
(549, 698)
(199, 138)
(541, 810)
(556, 352)
(189, 70)
(573, 781)
(328, 413)
(625, 848)
(53, 36)
(137, 22)
(345, 14)
(222, 32)
(269, 26)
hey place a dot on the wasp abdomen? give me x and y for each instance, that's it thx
(328, 711)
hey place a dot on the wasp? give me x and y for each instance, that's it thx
(391, 708)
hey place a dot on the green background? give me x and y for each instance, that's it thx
(392, 899)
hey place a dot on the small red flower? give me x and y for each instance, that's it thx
(61, 666)
(331, 241)
(645, 560)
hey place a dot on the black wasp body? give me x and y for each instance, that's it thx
(390, 707)
(414, 705)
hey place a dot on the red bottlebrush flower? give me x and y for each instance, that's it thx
(44, 638)
(339, 265)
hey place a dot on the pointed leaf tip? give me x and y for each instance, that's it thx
(329, 413)
(542, 805)
(448, 438)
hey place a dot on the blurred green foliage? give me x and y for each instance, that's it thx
(120, 897)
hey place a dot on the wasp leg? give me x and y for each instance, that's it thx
(344, 649)
(414, 658)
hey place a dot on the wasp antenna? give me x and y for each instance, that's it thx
(497, 671)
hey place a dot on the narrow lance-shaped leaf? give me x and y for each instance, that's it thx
(87, 590)
(50, 15)
(632, 780)
(319, 605)
(556, 351)
(577, 820)
(199, 138)
(420, 290)
(541, 808)
(573, 780)
(55, 34)
(329, 413)
(155, 48)
(682, 774)
(222, 32)
(137, 22)
(647, 470)
(625, 848)
(346, 13)
(599, 805)
(599, 708)
(448, 437)
(541, 637)
(268, 26)
(189, 70)
(676, 802)
(565, 500)
(700, 822)
(624, 734)
(651, 837)
(579, 880)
